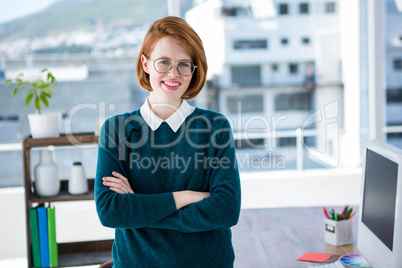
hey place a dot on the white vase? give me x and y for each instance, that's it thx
(46, 172)
(77, 183)
(44, 125)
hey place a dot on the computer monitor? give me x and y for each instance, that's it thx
(379, 237)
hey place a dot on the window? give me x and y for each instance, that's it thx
(398, 64)
(303, 8)
(284, 41)
(300, 101)
(283, 9)
(286, 142)
(293, 68)
(248, 104)
(330, 7)
(250, 143)
(250, 44)
(291, 142)
(228, 12)
(8, 118)
(394, 95)
(235, 12)
(305, 40)
(246, 75)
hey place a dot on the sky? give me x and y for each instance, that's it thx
(14, 9)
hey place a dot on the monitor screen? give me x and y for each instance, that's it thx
(379, 196)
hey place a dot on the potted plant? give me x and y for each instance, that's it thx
(40, 91)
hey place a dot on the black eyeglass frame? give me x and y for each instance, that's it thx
(171, 65)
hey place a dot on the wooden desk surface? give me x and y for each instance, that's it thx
(276, 237)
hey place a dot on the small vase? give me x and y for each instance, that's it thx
(46, 172)
(78, 182)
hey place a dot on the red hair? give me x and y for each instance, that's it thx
(185, 35)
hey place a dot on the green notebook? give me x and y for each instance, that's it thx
(33, 221)
(51, 226)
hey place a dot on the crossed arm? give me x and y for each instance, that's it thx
(120, 184)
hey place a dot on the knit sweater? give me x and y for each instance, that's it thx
(149, 230)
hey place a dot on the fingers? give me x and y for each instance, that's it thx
(124, 179)
(113, 182)
(118, 184)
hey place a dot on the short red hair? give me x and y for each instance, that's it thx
(185, 35)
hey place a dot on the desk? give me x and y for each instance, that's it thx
(276, 237)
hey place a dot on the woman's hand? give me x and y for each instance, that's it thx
(118, 184)
(185, 198)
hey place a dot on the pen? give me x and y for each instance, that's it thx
(331, 216)
(352, 214)
(326, 213)
(344, 211)
(349, 212)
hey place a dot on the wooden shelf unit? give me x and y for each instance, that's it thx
(73, 253)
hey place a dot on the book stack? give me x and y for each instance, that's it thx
(43, 236)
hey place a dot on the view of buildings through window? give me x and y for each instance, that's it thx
(277, 78)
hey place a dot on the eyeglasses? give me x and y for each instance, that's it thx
(163, 66)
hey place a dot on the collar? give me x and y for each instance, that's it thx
(174, 121)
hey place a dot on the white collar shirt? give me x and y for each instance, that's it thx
(174, 121)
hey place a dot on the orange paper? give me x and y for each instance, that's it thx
(314, 257)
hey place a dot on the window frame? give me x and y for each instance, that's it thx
(305, 38)
(284, 41)
(304, 8)
(283, 9)
(293, 68)
(250, 44)
(397, 64)
(330, 7)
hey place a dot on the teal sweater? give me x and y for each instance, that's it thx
(149, 230)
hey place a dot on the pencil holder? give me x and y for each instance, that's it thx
(338, 233)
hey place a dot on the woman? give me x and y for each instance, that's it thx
(167, 178)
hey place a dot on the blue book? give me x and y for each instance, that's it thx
(43, 236)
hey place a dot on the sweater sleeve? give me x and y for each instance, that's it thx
(221, 209)
(124, 210)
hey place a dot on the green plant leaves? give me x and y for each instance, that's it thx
(20, 82)
(38, 104)
(39, 89)
(42, 85)
(28, 98)
(15, 91)
(44, 100)
(47, 94)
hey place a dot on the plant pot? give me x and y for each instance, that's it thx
(44, 125)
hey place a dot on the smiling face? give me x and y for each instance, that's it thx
(167, 87)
